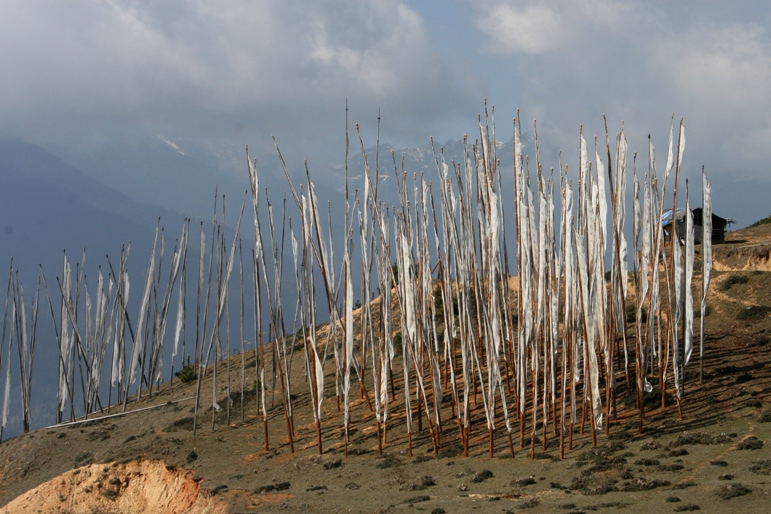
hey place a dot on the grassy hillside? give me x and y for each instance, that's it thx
(713, 456)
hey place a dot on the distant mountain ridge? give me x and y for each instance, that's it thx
(27, 164)
(48, 207)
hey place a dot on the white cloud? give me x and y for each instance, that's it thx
(725, 65)
(517, 27)
(640, 61)
(234, 72)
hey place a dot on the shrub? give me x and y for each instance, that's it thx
(186, 374)
(729, 491)
(762, 467)
(697, 311)
(733, 280)
(397, 343)
(631, 314)
(751, 443)
(83, 459)
(687, 507)
(699, 438)
(438, 301)
(389, 461)
(753, 312)
(180, 424)
(481, 476)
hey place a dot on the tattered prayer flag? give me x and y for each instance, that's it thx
(689, 256)
(706, 255)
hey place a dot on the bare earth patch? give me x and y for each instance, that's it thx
(140, 486)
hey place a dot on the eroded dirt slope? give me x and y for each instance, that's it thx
(140, 486)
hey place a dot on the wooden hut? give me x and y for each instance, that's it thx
(719, 225)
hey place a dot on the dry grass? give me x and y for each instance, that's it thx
(630, 471)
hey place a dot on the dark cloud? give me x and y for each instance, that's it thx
(220, 75)
(219, 72)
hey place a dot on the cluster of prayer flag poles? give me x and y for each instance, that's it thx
(540, 351)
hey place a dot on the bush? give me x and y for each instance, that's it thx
(398, 343)
(186, 374)
(733, 280)
(753, 312)
(697, 311)
(631, 314)
(751, 443)
(84, 459)
(729, 491)
(438, 301)
(180, 424)
(699, 438)
(762, 467)
(389, 461)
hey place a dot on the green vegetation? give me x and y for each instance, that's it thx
(729, 491)
(733, 280)
(389, 461)
(631, 314)
(398, 343)
(186, 374)
(179, 425)
(83, 459)
(697, 311)
(753, 312)
(438, 301)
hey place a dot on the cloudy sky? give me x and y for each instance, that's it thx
(226, 74)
